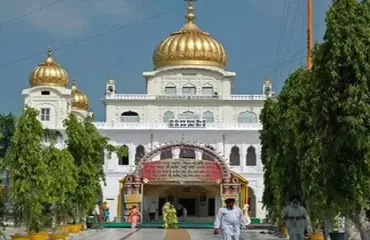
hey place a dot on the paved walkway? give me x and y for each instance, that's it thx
(161, 234)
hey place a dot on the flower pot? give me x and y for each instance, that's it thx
(74, 228)
(58, 236)
(38, 236)
(316, 236)
(20, 237)
(337, 236)
(64, 228)
(284, 230)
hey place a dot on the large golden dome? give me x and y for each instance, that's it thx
(189, 46)
(79, 101)
(49, 73)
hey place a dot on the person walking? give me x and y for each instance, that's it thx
(152, 211)
(98, 213)
(230, 218)
(295, 219)
(134, 216)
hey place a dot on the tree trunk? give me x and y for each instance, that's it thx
(359, 229)
(352, 232)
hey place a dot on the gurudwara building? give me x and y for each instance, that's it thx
(188, 140)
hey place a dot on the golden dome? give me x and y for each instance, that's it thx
(49, 73)
(79, 100)
(189, 46)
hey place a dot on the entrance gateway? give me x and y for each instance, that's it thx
(199, 181)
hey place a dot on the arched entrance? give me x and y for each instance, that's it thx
(167, 174)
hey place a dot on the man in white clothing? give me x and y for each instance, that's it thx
(230, 219)
(295, 218)
(152, 211)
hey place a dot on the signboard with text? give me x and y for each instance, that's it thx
(234, 196)
(132, 198)
(182, 170)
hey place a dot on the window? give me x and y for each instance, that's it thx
(140, 152)
(45, 114)
(123, 160)
(208, 116)
(167, 116)
(170, 90)
(247, 117)
(45, 93)
(189, 90)
(235, 157)
(251, 157)
(130, 117)
(207, 90)
(187, 153)
(205, 156)
(167, 154)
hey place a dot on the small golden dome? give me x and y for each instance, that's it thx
(189, 46)
(49, 73)
(79, 100)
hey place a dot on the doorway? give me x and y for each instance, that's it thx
(189, 204)
(161, 202)
(211, 207)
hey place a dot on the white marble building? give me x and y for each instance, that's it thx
(188, 98)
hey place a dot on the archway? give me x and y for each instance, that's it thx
(164, 174)
(220, 161)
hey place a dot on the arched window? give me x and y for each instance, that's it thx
(247, 117)
(170, 89)
(189, 90)
(166, 154)
(209, 117)
(187, 115)
(140, 152)
(234, 156)
(130, 117)
(187, 153)
(167, 116)
(124, 158)
(207, 90)
(206, 156)
(251, 156)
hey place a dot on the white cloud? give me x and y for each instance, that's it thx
(69, 17)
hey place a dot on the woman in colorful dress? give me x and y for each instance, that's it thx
(134, 216)
(172, 217)
(165, 210)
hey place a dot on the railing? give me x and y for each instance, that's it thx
(256, 97)
(208, 126)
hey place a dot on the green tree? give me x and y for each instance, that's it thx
(341, 111)
(63, 185)
(28, 172)
(86, 145)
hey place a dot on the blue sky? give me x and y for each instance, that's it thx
(251, 31)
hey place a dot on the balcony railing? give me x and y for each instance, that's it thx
(164, 126)
(256, 97)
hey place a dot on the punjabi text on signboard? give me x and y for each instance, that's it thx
(182, 170)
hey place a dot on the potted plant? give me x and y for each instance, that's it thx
(317, 233)
(338, 228)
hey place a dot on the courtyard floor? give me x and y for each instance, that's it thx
(161, 234)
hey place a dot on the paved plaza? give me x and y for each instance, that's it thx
(161, 234)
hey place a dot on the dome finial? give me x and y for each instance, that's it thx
(50, 51)
(190, 15)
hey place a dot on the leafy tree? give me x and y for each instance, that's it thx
(85, 145)
(341, 111)
(63, 185)
(28, 172)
